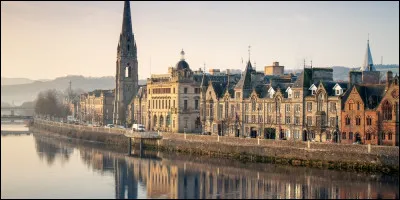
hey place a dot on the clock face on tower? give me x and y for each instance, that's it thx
(395, 94)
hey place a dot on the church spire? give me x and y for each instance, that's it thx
(127, 45)
(126, 22)
(368, 64)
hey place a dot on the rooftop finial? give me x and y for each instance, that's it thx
(182, 55)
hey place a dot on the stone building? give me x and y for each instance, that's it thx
(322, 111)
(96, 107)
(126, 77)
(172, 100)
(275, 69)
(272, 106)
(138, 108)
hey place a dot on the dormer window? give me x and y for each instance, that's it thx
(271, 92)
(313, 89)
(289, 92)
(338, 89)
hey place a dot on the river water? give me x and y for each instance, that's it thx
(43, 166)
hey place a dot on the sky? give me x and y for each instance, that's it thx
(45, 40)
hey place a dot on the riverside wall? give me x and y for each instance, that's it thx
(321, 155)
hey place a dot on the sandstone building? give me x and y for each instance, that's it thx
(96, 107)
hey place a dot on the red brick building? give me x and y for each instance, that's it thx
(370, 113)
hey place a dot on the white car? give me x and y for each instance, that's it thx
(138, 127)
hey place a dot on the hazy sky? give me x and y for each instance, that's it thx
(51, 39)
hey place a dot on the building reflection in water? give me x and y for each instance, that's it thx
(168, 177)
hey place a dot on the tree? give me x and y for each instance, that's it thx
(49, 103)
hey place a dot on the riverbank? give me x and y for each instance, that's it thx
(319, 155)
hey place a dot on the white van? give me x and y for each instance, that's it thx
(138, 127)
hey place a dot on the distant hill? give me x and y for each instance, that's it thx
(15, 81)
(28, 92)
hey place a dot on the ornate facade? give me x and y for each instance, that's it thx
(172, 102)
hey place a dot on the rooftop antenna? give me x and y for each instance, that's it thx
(204, 68)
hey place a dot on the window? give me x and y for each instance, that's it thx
(226, 109)
(269, 121)
(260, 118)
(309, 106)
(309, 120)
(174, 104)
(185, 105)
(174, 90)
(232, 111)
(287, 107)
(350, 135)
(351, 106)
(358, 120)
(332, 121)
(287, 120)
(185, 90)
(253, 105)
(344, 135)
(296, 134)
(358, 106)
(390, 136)
(169, 104)
(296, 120)
(237, 95)
(269, 107)
(246, 117)
(220, 109)
(320, 101)
(312, 92)
(297, 108)
(253, 119)
(369, 121)
(348, 120)
(318, 121)
(260, 107)
(296, 95)
(196, 104)
(337, 92)
(387, 110)
(333, 106)
(197, 90)
(246, 107)
(162, 104)
(127, 72)
(368, 136)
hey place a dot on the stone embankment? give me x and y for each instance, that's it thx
(321, 155)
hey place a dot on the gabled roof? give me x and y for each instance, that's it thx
(371, 94)
(245, 81)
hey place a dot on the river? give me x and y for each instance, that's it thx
(43, 166)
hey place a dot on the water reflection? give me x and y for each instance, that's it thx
(180, 176)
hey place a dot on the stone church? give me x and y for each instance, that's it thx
(126, 78)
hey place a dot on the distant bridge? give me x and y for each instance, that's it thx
(15, 117)
(13, 109)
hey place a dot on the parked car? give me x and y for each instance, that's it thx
(206, 133)
(109, 126)
(138, 127)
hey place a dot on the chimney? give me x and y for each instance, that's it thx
(389, 77)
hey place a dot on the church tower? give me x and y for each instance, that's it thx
(126, 78)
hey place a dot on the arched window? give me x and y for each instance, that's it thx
(387, 111)
(348, 120)
(155, 120)
(253, 104)
(161, 120)
(358, 120)
(369, 121)
(383, 136)
(320, 101)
